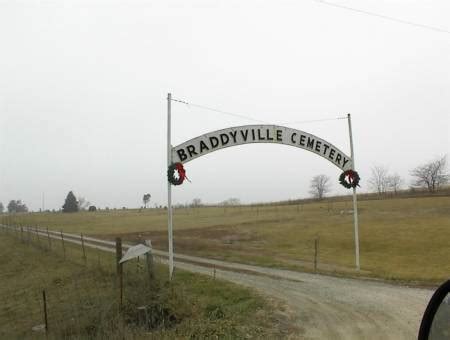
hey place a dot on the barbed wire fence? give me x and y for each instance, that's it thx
(82, 296)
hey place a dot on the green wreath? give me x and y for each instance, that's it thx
(349, 179)
(171, 174)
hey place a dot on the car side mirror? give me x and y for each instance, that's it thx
(436, 319)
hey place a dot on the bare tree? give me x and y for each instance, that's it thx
(320, 185)
(231, 201)
(146, 199)
(394, 182)
(83, 203)
(196, 202)
(379, 180)
(431, 175)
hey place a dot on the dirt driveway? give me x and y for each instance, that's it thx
(324, 307)
(334, 308)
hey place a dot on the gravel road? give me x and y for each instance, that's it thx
(324, 307)
(336, 308)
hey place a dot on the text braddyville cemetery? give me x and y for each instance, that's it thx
(259, 134)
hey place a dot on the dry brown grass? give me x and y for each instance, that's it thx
(82, 299)
(401, 239)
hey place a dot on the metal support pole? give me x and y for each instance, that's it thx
(169, 186)
(355, 203)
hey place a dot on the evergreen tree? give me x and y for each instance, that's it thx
(71, 203)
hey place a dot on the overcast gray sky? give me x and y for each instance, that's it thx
(83, 88)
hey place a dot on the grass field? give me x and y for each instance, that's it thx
(400, 239)
(82, 300)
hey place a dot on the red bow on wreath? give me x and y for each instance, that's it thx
(181, 174)
(181, 171)
(349, 179)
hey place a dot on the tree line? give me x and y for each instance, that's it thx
(431, 176)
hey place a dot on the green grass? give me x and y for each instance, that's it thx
(83, 298)
(400, 239)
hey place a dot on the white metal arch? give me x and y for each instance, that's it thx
(247, 134)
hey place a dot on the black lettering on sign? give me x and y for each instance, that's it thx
(244, 135)
(224, 138)
(292, 138)
(191, 150)
(345, 162)
(279, 135)
(203, 146)
(181, 155)
(259, 135)
(233, 135)
(253, 134)
(338, 158)
(302, 140)
(326, 147)
(214, 142)
(318, 144)
(310, 143)
(268, 135)
(331, 155)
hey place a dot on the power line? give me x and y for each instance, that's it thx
(314, 120)
(386, 17)
(238, 115)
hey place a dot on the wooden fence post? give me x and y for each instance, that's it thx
(45, 311)
(118, 253)
(21, 234)
(63, 247)
(149, 260)
(316, 252)
(84, 250)
(37, 235)
(49, 240)
(119, 269)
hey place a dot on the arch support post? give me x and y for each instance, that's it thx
(169, 186)
(355, 202)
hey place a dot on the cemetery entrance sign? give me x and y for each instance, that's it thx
(247, 134)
